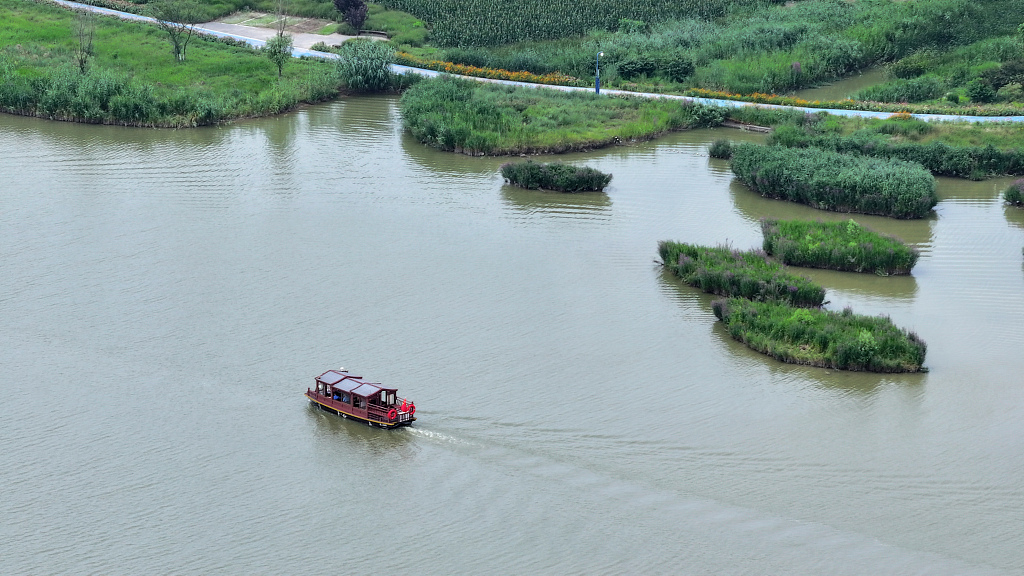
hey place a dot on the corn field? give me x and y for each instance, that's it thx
(495, 22)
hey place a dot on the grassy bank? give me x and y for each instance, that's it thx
(735, 273)
(476, 118)
(133, 79)
(838, 182)
(845, 246)
(555, 176)
(738, 47)
(841, 340)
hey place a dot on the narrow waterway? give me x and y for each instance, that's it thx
(844, 88)
(167, 297)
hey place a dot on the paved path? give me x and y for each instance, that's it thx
(255, 37)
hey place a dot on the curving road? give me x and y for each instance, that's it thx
(252, 36)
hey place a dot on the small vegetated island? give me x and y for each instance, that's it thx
(555, 176)
(748, 274)
(946, 149)
(778, 313)
(846, 246)
(477, 118)
(816, 337)
(838, 182)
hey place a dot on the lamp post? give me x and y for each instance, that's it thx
(597, 76)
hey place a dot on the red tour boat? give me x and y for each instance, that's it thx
(349, 396)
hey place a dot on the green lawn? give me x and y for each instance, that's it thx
(37, 41)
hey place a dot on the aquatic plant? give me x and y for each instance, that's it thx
(816, 337)
(734, 273)
(838, 182)
(720, 148)
(941, 158)
(1015, 193)
(846, 246)
(555, 176)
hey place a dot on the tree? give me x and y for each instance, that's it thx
(178, 18)
(354, 11)
(85, 29)
(279, 47)
(279, 50)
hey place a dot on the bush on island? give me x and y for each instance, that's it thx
(844, 246)
(1015, 193)
(555, 176)
(728, 272)
(815, 337)
(720, 148)
(837, 182)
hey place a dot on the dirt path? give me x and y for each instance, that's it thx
(303, 40)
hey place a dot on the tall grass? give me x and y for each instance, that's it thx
(365, 65)
(466, 116)
(846, 246)
(735, 273)
(941, 158)
(838, 182)
(747, 47)
(491, 22)
(900, 90)
(555, 176)
(841, 340)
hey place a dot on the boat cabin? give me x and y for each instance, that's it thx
(351, 396)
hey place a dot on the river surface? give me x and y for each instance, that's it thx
(167, 297)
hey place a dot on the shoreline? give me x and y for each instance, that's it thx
(402, 69)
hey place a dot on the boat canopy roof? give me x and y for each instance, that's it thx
(354, 384)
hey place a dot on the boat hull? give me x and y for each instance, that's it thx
(333, 408)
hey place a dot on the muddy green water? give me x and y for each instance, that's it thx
(845, 88)
(167, 296)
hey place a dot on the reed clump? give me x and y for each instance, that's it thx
(815, 337)
(734, 273)
(846, 246)
(555, 176)
(838, 182)
(941, 158)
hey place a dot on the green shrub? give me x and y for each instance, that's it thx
(839, 340)
(837, 246)
(837, 182)
(720, 148)
(1015, 193)
(728, 272)
(979, 90)
(555, 176)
